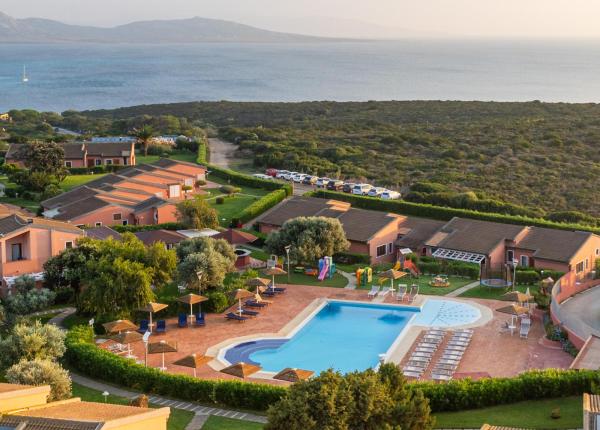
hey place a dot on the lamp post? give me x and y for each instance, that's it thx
(145, 339)
(514, 280)
(105, 394)
(287, 252)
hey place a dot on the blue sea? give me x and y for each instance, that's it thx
(91, 76)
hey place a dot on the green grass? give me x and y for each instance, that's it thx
(177, 155)
(423, 283)
(220, 423)
(178, 419)
(45, 317)
(338, 281)
(530, 414)
(232, 205)
(482, 292)
(74, 319)
(73, 181)
(30, 205)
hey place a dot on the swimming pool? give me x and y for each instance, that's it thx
(348, 336)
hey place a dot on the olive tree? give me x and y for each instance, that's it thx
(42, 372)
(30, 341)
(310, 238)
(211, 258)
(196, 213)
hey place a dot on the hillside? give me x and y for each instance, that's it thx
(193, 30)
(541, 158)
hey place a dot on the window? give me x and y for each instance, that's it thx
(108, 162)
(16, 251)
(586, 264)
(390, 248)
(124, 222)
(579, 267)
(98, 224)
(116, 217)
(510, 256)
(169, 246)
(597, 251)
(524, 261)
(68, 245)
(68, 164)
(98, 162)
(381, 250)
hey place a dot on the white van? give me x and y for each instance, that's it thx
(362, 189)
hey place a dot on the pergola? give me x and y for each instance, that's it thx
(451, 254)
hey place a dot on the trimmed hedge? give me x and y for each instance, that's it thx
(258, 207)
(202, 153)
(96, 169)
(424, 210)
(527, 277)
(249, 181)
(135, 228)
(84, 356)
(351, 258)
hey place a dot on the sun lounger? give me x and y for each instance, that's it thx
(278, 290)
(451, 356)
(432, 339)
(161, 326)
(464, 330)
(524, 330)
(414, 359)
(428, 345)
(384, 292)
(182, 321)
(438, 377)
(414, 292)
(458, 343)
(259, 299)
(414, 368)
(236, 317)
(441, 366)
(410, 374)
(254, 304)
(117, 348)
(448, 361)
(455, 348)
(199, 320)
(143, 326)
(269, 293)
(422, 354)
(421, 349)
(401, 294)
(442, 371)
(465, 337)
(250, 313)
(436, 332)
(374, 291)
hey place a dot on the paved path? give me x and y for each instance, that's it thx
(351, 279)
(461, 290)
(581, 313)
(202, 411)
(58, 319)
(221, 152)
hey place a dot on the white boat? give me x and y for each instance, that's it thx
(24, 78)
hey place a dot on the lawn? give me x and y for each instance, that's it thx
(232, 206)
(482, 292)
(423, 283)
(74, 319)
(530, 414)
(338, 281)
(73, 181)
(44, 318)
(220, 423)
(178, 155)
(178, 419)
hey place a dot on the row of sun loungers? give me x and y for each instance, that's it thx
(256, 303)
(402, 293)
(444, 368)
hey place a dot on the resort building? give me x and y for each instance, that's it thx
(168, 237)
(84, 154)
(27, 243)
(25, 407)
(140, 195)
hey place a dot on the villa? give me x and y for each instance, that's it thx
(25, 407)
(27, 243)
(140, 195)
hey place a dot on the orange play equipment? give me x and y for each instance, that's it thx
(411, 267)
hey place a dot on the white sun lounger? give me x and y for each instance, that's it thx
(458, 343)
(419, 359)
(428, 345)
(401, 294)
(524, 330)
(414, 368)
(433, 336)
(437, 331)
(441, 366)
(414, 292)
(448, 361)
(374, 291)
(410, 374)
(422, 354)
(423, 349)
(464, 330)
(452, 356)
(384, 292)
(440, 377)
(455, 348)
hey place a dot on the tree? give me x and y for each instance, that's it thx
(366, 400)
(42, 372)
(144, 135)
(310, 238)
(45, 157)
(27, 298)
(28, 341)
(197, 214)
(212, 258)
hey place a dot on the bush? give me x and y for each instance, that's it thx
(160, 150)
(200, 183)
(249, 181)
(217, 302)
(220, 200)
(527, 277)
(351, 258)
(230, 189)
(430, 268)
(29, 341)
(42, 372)
(258, 207)
(135, 228)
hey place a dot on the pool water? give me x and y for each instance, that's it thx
(349, 336)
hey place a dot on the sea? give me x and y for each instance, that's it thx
(94, 76)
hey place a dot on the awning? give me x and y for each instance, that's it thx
(451, 254)
(10, 280)
(405, 251)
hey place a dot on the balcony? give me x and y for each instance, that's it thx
(21, 267)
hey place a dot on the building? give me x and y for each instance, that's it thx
(168, 237)
(591, 412)
(84, 154)
(139, 195)
(113, 139)
(25, 407)
(27, 243)
(102, 233)
(5, 117)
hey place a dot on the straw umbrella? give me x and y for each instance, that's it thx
(517, 296)
(118, 326)
(514, 311)
(128, 337)
(392, 275)
(162, 347)
(193, 361)
(259, 283)
(547, 284)
(191, 299)
(274, 271)
(151, 308)
(241, 369)
(236, 237)
(293, 375)
(240, 294)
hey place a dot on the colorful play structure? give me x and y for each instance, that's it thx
(326, 268)
(364, 276)
(440, 281)
(405, 264)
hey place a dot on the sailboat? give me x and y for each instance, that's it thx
(24, 78)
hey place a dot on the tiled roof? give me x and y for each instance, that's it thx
(168, 162)
(109, 149)
(80, 207)
(471, 235)
(9, 388)
(14, 151)
(361, 225)
(489, 427)
(149, 203)
(35, 423)
(84, 411)
(292, 208)
(555, 245)
(415, 231)
(15, 222)
(102, 233)
(166, 236)
(69, 197)
(74, 150)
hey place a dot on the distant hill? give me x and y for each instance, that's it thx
(193, 30)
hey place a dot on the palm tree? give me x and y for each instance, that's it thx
(144, 135)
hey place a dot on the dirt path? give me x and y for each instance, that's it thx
(221, 152)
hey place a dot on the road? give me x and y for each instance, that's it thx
(581, 313)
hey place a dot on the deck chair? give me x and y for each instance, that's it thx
(414, 292)
(182, 321)
(384, 292)
(374, 291)
(250, 313)
(254, 304)
(525, 327)
(236, 317)
(401, 294)
(143, 326)
(161, 326)
(199, 320)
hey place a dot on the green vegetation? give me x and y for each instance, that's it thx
(530, 414)
(482, 292)
(337, 281)
(73, 181)
(220, 423)
(178, 419)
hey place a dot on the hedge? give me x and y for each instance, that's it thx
(258, 207)
(527, 277)
(135, 228)
(249, 181)
(202, 153)
(351, 258)
(96, 169)
(84, 356)
(442, 213)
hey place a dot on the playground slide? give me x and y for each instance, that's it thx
(410, 266)
(324, 271)
(397, 266)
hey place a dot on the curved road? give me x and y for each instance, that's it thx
(581, 313)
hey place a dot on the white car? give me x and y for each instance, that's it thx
(299, 177)
(262, 176)
(361, 189)
(390, 195)
(281, 174)
(322, 182)
(288, 176)
(376, 192)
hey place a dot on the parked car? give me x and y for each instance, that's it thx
(299, 177)
(335, 185)
(281, 174)
(271, 172)
(376, 192)
(288, 176)
(322, 182)
(361, 189)
(262, 176)
(348, 186)
(309, 180)
(390, 195)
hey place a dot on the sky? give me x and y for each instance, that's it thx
(343, 18)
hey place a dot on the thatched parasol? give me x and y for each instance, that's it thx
(274, 271)
(392, 275)
(118, 326)
(293, 375)
(162, 347)
(128, 337)
(260, 283)
(240, 294)
(514, 310)
(191, 299)
(152, 308)
(235, 237)
(516, 296)
(241, 369)
(193, 361)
